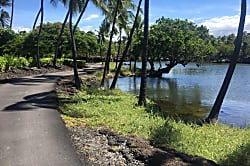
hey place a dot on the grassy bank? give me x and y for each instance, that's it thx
(118, 111)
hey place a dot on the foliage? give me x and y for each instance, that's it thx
(95, 107)
(25, 44)
(10, 62)
(5, 36)
(177, 42)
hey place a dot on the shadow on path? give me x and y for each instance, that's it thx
(35, 101)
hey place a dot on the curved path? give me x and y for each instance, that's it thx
(31, 130)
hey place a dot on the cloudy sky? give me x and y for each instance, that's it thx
(220, 16)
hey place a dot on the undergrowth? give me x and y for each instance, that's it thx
(119, 111)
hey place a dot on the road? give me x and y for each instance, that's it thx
(31, 130)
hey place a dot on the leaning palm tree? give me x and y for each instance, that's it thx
(110, 43)
(127, 47)
(82, 5)
(142, 95)
(213, 116)
(116, 9)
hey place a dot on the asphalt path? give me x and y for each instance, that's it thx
(31, 130)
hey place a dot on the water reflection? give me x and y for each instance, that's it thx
(190, 92)
(184, 102)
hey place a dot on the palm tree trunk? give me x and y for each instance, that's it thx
(60, 38)
(80, 16)
(37, 16)
(119, 48)
(117, 73)
(74, 53)
(12, 14)
(106, 66)
(38, 36)
(142, 96)
(213, 116)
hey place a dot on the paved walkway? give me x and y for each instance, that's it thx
(31, 130)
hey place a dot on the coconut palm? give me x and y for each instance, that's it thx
(213, 116)
(142, 95)
(12, 13)
(4, 15)
(82, 5)
(116, 10)
(127, 47)
(4, 18)
(41, 14)
(102, 34)
(73, 45)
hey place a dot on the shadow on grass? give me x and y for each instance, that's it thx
(239, 157)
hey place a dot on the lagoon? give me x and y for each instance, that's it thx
(189, 92)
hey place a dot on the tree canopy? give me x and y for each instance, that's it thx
(177, 42)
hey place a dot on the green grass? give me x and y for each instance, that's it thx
(118, 111)
(124, 71)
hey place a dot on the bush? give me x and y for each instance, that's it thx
(10, 62)
(3, 62)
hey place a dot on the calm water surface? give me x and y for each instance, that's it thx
(190, 92)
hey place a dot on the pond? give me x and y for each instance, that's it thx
(189, 92)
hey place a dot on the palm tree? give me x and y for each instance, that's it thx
(142, 96)
(59, 39)
(39, 33)
(82, 5)
(102, 33)
(213, 116)
(110, 43)
(74, 53)
(12, 13)
(4, 18)
(115, 9)
(127, 47)
(4, 15)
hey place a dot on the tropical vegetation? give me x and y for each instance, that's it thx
(168, 42)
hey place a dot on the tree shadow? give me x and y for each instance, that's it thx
(34, 102)
(239, 157)
(32, 81)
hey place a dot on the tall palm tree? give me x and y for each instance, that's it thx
(74, 53)
(4, 15)
(142, 96)
(102, 33)
(41, 14)
(4, 18)
(213, 116)
(12, 13)
(39, 34)
(127, 47)
(110, 43)
(117, 9)
(82, 5)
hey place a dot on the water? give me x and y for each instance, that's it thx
(190, 92)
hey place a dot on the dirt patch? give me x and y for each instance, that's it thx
(26, 71)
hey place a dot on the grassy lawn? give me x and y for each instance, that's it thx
(119, 111)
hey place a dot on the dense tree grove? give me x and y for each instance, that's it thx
(24, 43)
(170, 41)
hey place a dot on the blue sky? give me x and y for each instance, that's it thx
(220, 16)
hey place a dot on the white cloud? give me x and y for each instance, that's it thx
(92, 16)
(87, 28)
(19, 29)
(226, 25)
